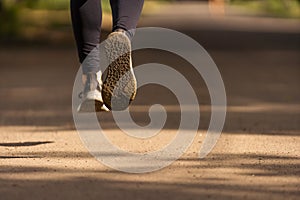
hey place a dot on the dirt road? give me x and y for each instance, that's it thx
(257, 156)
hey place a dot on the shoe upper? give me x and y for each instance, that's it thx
(91, 83)
(92, 87)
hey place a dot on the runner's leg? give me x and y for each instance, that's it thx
(126, 14)
(120, 86)
(86, 20)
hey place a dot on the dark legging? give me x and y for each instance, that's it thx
(87, 17)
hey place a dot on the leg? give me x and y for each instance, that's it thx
(86, 20)
(120, 87)
(126, 14)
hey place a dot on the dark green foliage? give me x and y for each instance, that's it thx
(9, 23)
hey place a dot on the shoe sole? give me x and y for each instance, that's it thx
(119, 87)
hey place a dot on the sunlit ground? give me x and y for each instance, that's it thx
(257, 156)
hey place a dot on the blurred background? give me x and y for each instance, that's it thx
(49, 20)
(255, 44)
(256, 47)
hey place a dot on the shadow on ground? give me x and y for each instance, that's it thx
(79, 187)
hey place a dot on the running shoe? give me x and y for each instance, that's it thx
(91, 95)
(120, 86)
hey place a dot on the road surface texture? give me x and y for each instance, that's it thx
(257, 156)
